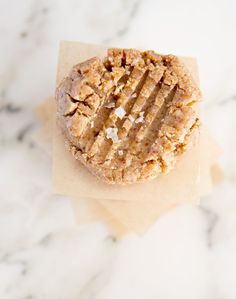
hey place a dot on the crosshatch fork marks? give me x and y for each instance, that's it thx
(142, 115)
(142, 101)
(125, 94)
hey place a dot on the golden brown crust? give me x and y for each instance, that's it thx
(129, 117)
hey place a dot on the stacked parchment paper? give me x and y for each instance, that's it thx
(130, 208)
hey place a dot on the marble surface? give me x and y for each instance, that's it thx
(191, 251)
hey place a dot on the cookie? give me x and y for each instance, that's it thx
(128, 117)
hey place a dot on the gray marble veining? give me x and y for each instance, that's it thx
(190, 252)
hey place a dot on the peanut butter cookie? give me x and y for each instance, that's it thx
(129, 117)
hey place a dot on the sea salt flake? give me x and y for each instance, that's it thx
(120, 112)
(92, 124)
(140, 119)
(111, 133)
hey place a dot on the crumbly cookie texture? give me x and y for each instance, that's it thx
(129, 117)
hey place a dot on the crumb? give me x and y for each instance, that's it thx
(110, 105)
(118, 88)
(131, 118)
(120, 152)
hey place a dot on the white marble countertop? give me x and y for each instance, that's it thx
(190, 252)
